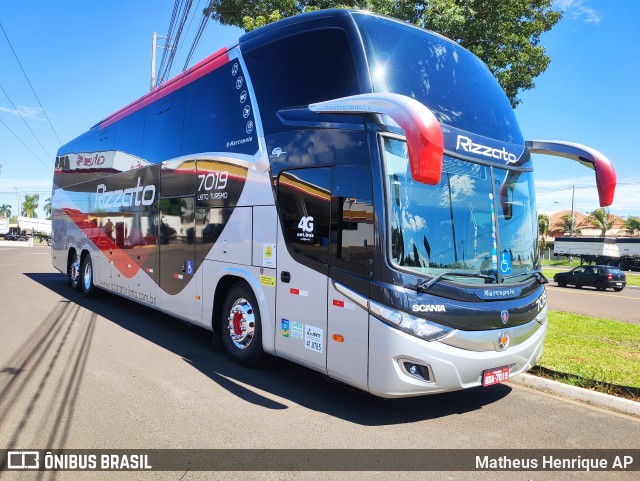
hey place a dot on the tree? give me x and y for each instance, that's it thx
(5, 210)
(505, 34)
(566, 223)
(47, 208)
(30, 205)
(601, 219)
(632, 225)
(543, 229)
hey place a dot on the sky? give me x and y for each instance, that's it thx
(86, 59)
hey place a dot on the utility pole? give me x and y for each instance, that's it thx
(154, 47)
(573, 196)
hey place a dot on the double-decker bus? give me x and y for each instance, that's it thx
(340, 189)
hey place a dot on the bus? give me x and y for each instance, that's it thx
(340, 189)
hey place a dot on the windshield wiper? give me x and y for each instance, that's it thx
(426, 285)
(537, 274)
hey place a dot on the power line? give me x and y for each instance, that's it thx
(189, 26)
(163, 60)
(583, 186)
(24, 145)
(25, 122)
(31, 86)
(196, 41)
(175, 39)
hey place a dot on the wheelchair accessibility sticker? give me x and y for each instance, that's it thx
(505, 263)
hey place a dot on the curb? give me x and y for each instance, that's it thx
(594, 398)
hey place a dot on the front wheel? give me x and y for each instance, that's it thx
(241, 327)
(88, 288)
(561, 283)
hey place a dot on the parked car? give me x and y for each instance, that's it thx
(600, 277)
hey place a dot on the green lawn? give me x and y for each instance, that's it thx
(561, 262)
(632, 279)
(599, 354)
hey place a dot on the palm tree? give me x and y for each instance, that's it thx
(602, 219)
(30, 205)
(543, 229)
(5, 210)
(566, 225)
(631, 225)
(47, 208)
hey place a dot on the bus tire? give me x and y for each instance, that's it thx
(88, 287)
(241, 326)
(74, 272)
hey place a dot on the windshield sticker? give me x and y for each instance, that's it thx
(505, 263)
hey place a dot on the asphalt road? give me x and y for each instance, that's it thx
(107, 373)
(621, 306)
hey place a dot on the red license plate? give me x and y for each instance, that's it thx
(495, 376)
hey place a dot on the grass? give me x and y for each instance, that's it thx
(561, 262)
(593, 353)
(632, 279)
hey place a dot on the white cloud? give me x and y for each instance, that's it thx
(578, 10)
(31, 113)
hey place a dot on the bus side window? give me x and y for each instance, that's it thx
(304, 203)
(353, 219)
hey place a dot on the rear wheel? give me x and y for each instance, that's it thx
(618, 289)
(241, 327)
(74, 272)
(88, 287)
(600, 286)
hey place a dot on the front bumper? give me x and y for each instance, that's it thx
(453, 368)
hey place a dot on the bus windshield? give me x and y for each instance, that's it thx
(479, 219)
(451, 81)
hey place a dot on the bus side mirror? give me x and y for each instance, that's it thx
(605, 173)
(425, 144)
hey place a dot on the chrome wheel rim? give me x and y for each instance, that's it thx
(241, 324)
(88, 274)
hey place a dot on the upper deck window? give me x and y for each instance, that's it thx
(301, 69)
(451, 81)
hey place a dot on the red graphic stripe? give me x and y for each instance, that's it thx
(125, 264)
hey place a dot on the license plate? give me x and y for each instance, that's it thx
(618, 283)
(495, 376)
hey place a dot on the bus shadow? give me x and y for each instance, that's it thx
(277, 377)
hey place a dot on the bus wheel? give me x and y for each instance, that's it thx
(74, 273)
(241, 327)
(88, 287)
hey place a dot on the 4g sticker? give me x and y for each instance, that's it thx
(305, 227)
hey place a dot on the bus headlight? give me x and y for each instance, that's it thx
(422, 328)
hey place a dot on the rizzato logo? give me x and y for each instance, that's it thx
(138, 195)
(466, 144)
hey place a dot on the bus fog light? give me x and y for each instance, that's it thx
(414, 369)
